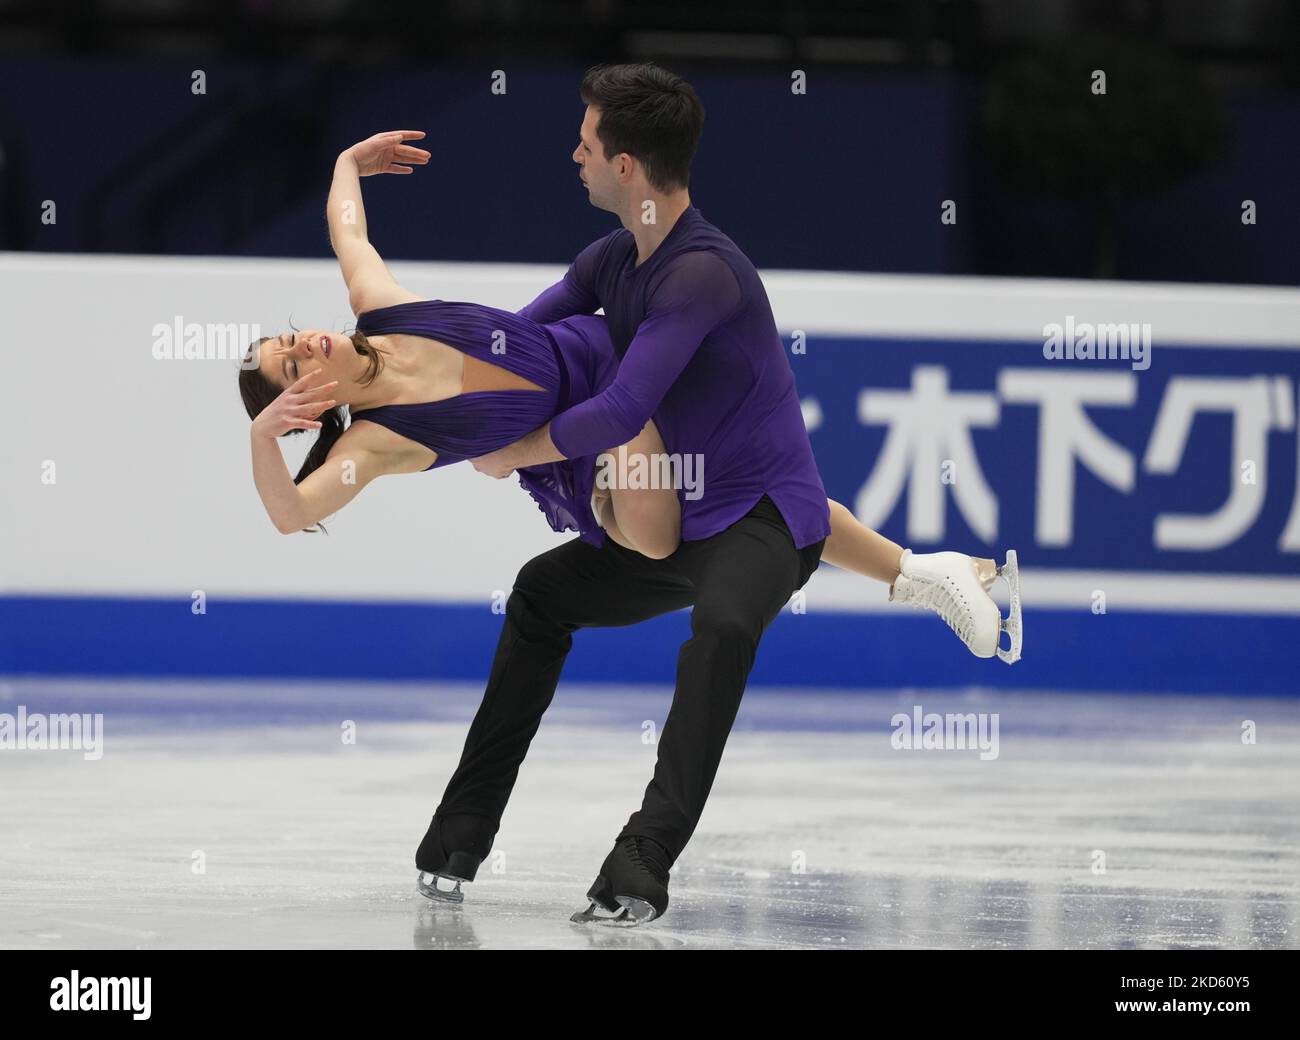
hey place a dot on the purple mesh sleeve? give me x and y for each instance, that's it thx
(689, 298)
(573, 294)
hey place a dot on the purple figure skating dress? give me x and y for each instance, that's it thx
(572, 360)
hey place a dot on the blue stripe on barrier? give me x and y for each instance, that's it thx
(1074, 650)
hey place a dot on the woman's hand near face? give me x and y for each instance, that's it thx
(296, 408)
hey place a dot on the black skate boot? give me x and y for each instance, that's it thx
(452, 850)
(632, 887)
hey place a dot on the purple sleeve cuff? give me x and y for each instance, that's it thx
(559, 436)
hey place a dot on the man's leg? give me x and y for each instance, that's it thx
(743, 576)
(572, 586)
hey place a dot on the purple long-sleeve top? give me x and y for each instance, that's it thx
(700, 354)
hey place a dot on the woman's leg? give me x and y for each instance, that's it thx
(605, 516)
(645, 519)
(649, 522)
(953, 585)
(860, 549)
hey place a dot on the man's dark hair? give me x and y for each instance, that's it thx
(650, 113)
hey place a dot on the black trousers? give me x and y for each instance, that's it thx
(736, 582)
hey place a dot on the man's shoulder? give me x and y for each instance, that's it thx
(707, 256)
(707, 238)
(607, 248)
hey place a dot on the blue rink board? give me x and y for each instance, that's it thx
(1075, 650)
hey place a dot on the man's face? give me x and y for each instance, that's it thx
(600, 175)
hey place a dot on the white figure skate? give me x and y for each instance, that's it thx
(955, 587)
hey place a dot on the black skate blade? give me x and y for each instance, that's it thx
(630, 913)
(427, 884)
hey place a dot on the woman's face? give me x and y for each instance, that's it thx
(284, 358)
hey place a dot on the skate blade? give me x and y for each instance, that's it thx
(427, 884)
(630, 913)
(1011, 624)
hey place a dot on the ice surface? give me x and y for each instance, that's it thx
(818, 835)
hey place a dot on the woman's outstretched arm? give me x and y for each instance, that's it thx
(859, 549)
(370, 284)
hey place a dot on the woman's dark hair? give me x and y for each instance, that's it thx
(257, 392)
(650, 113)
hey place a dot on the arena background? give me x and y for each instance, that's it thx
(926, 187)
(923, 139)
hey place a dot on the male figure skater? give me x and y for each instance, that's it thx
(700, 353)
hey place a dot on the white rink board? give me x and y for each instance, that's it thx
(154, 495)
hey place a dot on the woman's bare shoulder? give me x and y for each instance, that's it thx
(379, 294)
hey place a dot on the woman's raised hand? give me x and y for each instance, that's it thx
(296, 408)
(386, 153)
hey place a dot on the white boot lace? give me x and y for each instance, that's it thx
(944, 599)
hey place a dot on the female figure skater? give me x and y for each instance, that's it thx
(430, 383)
